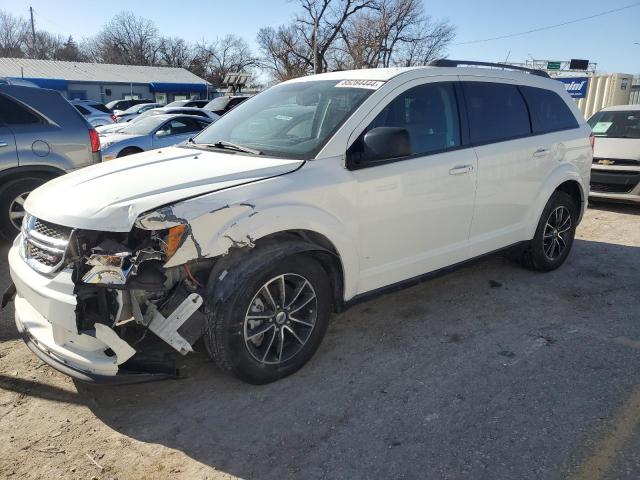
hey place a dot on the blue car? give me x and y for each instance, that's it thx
(156, 131)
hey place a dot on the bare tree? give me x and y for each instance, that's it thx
(321, 22)
(175, 52)
(285, 54)
(127, 39)
(44, 46)
(432, 45)
(397, 32)
(223, 56)
(13, 32)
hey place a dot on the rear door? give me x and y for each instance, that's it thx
(511, 163)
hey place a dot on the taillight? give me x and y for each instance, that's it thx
(114, 118)
(95, 140)
(592, 140)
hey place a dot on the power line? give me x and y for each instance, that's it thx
(549, 26)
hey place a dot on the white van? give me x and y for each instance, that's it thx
(305, 198)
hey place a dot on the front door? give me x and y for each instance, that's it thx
(415, 212)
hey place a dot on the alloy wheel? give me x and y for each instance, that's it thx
(556, 232)
(280, 318)
(16, 210)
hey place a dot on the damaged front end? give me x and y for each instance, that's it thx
(126, 299)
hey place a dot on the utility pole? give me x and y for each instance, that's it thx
(315, 46)
(33, 27)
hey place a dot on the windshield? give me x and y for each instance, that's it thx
(143, 127)
(293, 120)
(616, 124)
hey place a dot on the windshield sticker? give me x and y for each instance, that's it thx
(283, 117)
(370, 84)
(601, 127)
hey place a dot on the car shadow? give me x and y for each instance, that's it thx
(386, 370)
(616, 207)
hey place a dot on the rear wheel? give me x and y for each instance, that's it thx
(12, 197)
(554, 236)
(274, 319)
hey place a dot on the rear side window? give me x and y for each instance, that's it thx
(430, 115)
(12, 113)
(497, 112)
(82, 110)
(549, 113)
(101, 107)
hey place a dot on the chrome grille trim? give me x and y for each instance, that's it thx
(43, 245)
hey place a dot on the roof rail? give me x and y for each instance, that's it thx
(445, 62)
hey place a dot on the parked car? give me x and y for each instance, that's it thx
(198, 112)
(250, 235)
(615, 174)
(222, 105)
(41, 137)
(150, 133)
(134, 111)
(187, 103)
(120, 105)
(95, 113)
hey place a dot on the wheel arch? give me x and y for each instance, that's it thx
(566, 179)
(15, 173)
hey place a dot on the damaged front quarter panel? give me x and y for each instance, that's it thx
(201, 226)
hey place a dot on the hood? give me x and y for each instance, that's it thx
(622, 148)
(111, 128)
(110, 196)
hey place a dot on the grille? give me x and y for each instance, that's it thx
(617, 162)
(610, 188)
(44, 244)
(50, 230)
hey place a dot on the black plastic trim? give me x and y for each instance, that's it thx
(401, 285)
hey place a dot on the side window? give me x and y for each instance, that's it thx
(549, 113)
(429, 113)
(12, 113)
(82, 110)
(497, 112)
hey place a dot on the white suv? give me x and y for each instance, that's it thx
(306, 197)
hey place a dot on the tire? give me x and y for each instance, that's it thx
(239, 309)
(12, 196)
(128, 151)
(554, 235)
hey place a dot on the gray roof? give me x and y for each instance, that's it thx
(94, 72)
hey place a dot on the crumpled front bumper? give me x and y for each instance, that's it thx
(45, 317)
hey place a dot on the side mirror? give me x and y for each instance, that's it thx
(162, 133)
(386, 142)
(380, 143)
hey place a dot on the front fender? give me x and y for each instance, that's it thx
(215, 232)
(562, 173)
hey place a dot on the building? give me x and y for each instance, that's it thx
(106, 82)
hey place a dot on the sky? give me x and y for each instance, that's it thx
(609, 40)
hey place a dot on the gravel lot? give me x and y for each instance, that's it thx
(491, 372)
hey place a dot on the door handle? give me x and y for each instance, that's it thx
(461, 170)
(4, 144)
(541, 152)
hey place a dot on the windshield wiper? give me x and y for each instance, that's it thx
(223, 144)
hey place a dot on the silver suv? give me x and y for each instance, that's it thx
(42, 136)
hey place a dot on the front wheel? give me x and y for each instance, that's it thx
(12, 198)
(554, 235)
(274, 319)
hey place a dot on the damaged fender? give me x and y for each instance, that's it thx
(213, 232)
